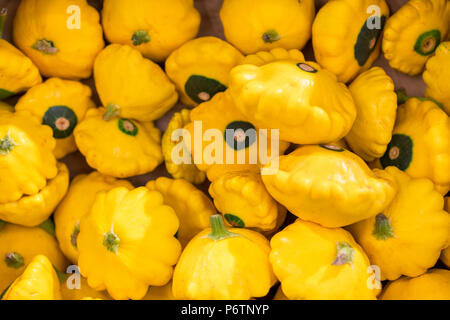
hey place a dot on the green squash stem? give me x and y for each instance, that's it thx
(218, 229)
(140, 37)
(344, 254)
(45, 46)
(383, 228)
(6, 145)
(14, 260)
(111, 241)
(112, 110)
(271, 36)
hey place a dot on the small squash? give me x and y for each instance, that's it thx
(59, 104)
(329, 186)
(18, 73)
(153, 27)
(376, 104)
(219, 264)
(244, 201)
(252, 26)
(420, 144)
(170, 140)
(201, 67)
(62, 37)
(26, 156)
(32, 210)
(346, 35)
(408, 236)
(160, 293)
(277, 54)
(436, 75)
(118, 147)
(131, 86)
(317, 263)
(433, 285)
(127, 242)
(192, 207)
(19, 245)
(39, 281)
(306, 103)
(76, 204)
(414, 32)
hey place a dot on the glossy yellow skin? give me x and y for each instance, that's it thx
(160, 293)
(30, 163)
(224, 269)
(376, 104)
(138, 86)
(192, 207)
(277, 54)
(113, 152)
(428, 126)
(147, 248)
(210, 57)
(303, 257)
(245, 196)
(50, 20)
(218, 114)
(28, 242)
(420, 229)
(57, 92)
(18, 71)
(245, 22)
(38, 282)
(83, 293)
(436, 75)
(168, 24)
(331, 188)
(31, 211)
(307, 107)
(434, 285)
(187, 171)
(77, 203)
(335, 33)
(404, 28)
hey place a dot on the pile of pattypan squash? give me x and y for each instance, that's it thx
(278, 159)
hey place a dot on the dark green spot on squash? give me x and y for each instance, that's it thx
(45, 46)
(331, 148)
(234, 221)
(399, 152)
(74, 235)
(14, 260)
(7, 145)
(140, 37)
(201, 89)
(240, 135)
(427, 42)
(111, 241)
(4, 94)
(367, 40)
(383, 229)
(62, 120)
(270, 36)
(128, 127)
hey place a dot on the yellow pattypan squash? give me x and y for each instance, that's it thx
(39, 281)
(76, 204)
(192, 207)
(244, 201)
(62, 37)
(413, 33)
(346, 35)
(244, 140)
(277, 54)
(160, 293)
(317, 263)
(19, 245)
(201, 67)
(17, 72)
(376, 104)
(127, 242)
(132, 86)
(329, 186)
(32, 210)
(26, 156)
(79, 290)
(224, 264)
(420, 144)
(408, 236)
(169, 142)
(253, 26)
(153, 27)
(437, 75)
(59, 104)
(306, 103)
(118, 147)
(434, 285)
